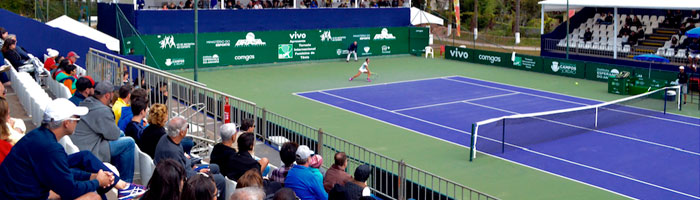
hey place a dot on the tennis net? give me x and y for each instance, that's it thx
(521, 131)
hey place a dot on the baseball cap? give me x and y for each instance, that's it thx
(103, 87)
(72, 53)
(62, 109)
(84, 83)
(316, 161)
(362, 173)
(681, 67)
(52, 52)
(304, 152)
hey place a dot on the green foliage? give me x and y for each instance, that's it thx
(56, 8)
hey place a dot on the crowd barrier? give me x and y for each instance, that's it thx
(206, 109)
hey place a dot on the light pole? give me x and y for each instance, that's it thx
(567, 29)
(196, 29)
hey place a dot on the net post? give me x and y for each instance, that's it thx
(503, 137)
(471, 149)
(665, 99)
(596, 117)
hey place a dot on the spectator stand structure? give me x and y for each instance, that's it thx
(206, 109)
(607, 40)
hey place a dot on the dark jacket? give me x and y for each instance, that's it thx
(77, 98)
(222, 155)
(14, 58)
(150, 137)
(167, 149)
(238, 164)
(333, 176)
(37, 164)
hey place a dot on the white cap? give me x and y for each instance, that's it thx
(681, 67)
(61, 109)
(52, 52)
(304, 152)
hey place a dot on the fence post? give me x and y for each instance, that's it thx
(402, 180)
(319, 144)
(264, 124)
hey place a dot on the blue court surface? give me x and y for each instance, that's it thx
(634, 152)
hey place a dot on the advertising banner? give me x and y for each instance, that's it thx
(601, 72)
(563, 67)
(457, 53)
(492, 58)
(176, 51)
(528, 63)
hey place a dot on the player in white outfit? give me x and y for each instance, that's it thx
(363, 69)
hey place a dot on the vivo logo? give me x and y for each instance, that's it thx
(296, 35)
(459, 54)
(491, 59)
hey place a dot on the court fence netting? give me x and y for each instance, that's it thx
(523, 131)
(206, 109)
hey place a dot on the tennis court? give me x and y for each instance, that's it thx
(634, 152)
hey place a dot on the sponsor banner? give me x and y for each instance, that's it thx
(492, 58)
(601, 72)
(419, 32)
(564, 67)
(460, 54)
(176, 51)
(528, 63)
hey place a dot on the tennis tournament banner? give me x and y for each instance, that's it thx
(528, 63)
(176, 51)
(459, 54)
(564, 67)
(601, 72)
(492, 58)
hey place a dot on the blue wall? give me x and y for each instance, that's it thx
(106, 16)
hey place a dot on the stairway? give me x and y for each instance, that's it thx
(655, 40)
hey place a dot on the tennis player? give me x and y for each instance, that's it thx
(363, 69)
(352, 49)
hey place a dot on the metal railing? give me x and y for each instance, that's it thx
(206, 109)
(604, 49)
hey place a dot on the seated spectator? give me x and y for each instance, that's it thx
(157, 117)
(123, 100)
(167, 181)
(19, 62)
(238, 5)
(625, 29)
(315, 163)
(609, 18)
(72, 57)
(695, 16)
(336, 174)
(97, 133)
(640, 34)
(169, 147)
(68, 77)
(301, 179)
(674, 42)
(243, 161)
(159, 94)
(180, 6)
(636, 22)
(588, 35)
(628, 21)
(5, 141)
(355, 188)
(165, 6)
(288, 156)
(284, 194)
(61, 65)
(314, 4)
(200, 187)
(172, 6)
(247, 125)
(601, 19)
(625, 38)
(3, 35)
(248, 193)
(229, 5)
(51, 169)
(134, 128)
(253, 178)
(632, 40)
(693, 52)
(50, 62)
(222, 153)
(138, 94)
(15, 126)
(85, 87)
(258, 5)
(188, 4)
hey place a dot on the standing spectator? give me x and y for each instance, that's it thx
(301, 179)
(683, 82)
(352, 50)
(200, 187)
(85, 87)
(157, 117)
(68, 77)
(96, 132)
(50, 62)
(355, 188)
(243, 161)
(588, 35)
(169, 148)
(288, 156)
(39, 164)
(134, 128)
(336, 174)
(167, 181)
(123, 100)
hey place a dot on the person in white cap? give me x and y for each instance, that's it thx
(302, 180)
(683, 82)
(38, 165)
(50, 62)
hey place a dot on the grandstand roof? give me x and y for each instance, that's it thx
(560, 5)
(69, 24)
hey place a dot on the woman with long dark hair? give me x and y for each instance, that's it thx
(200, 187)
(167, 181)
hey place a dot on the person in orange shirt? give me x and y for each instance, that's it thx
(68, 77)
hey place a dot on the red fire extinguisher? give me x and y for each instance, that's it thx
(227, 111)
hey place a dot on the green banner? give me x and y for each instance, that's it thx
(176, 51)
(419, 32)
(563, 67)
(601, 72)
(457, 53)
(642, 73)
(492, 58)
(528, 63)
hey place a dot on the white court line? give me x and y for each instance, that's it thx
(523, 148)
(552, 98)
(453, 102)
(382, 84)
(594, 130)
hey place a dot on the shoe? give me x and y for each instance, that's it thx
(4, 68)
(369, 80)
(132, 191)
(350, 79)
(347, 61)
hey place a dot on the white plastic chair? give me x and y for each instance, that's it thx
(670, 53)
(681, 53)
(230, 187)
(429, 50)
(661, 51)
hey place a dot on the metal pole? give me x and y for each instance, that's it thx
(567, 29)
(65, 8)
(503, 137)
(617, 20)
(196, 29)
(47, 10)
(542, 21)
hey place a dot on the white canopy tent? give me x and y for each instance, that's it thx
(421, 17)
(561, 5)
(69, 24)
